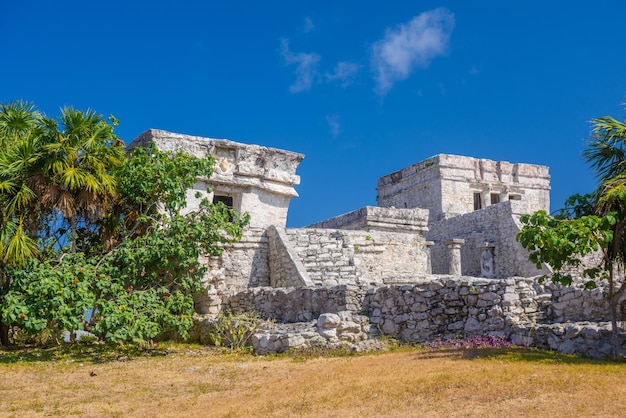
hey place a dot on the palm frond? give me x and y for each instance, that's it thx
(606, 152)
(17, 119)
(22, 198)
(65, 204)
(20, 247)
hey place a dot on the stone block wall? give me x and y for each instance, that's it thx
(440, 306)
(541, 315)
(243, 264)
(461, 307)
(575, 303)
(327, 255)
(452, 308)
(296, 304)
(590, 339)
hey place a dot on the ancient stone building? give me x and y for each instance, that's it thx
(445, 215)
(437, 258)
(474, 207)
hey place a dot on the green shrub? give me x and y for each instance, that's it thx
(233, 331)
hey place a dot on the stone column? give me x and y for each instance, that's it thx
(486, 260)
(454, 255)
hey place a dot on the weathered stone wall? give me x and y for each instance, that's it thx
(296, 304)
(243, 264)
(452, 308)
(459, 307)
(438, 307)
(591, 339)
(497, 225)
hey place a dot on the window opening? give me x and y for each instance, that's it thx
(515, 197)
(226, 200)
(477, 201)
(495, 198)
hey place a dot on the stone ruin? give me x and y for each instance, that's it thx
(437, 258)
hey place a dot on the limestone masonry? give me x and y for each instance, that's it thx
(436, 259)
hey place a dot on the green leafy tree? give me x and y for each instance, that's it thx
(139, 267)
(153, 257)
(589, 223)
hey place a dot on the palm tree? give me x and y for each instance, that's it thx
(606, 153)
(20, 153)
(48, 171)
(20, 132)
(81, 157)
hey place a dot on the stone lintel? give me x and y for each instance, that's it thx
(237, 182)
(455, 242)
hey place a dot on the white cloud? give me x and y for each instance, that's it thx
(409, 46)
(344, 73)
(334, 125)
(306, 67)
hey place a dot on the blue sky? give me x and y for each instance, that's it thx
(362, 88)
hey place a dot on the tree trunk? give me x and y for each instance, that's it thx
(614, 329)
(614, 298)
(4, 328)
(73, 233)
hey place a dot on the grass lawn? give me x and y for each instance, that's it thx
(194, 381)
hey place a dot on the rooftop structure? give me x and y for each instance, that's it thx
(248, 178)
(452, 185)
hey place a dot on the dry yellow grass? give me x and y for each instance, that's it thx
(197, 382)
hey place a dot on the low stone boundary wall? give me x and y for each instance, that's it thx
(452, 308)
(437, 307)
(296, 304)
(590, 339)
(329, 331)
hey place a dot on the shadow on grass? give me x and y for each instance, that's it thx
(512, 354)
(87, 353)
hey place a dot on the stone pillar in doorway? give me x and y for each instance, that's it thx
(487, 268)
(454, 255)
